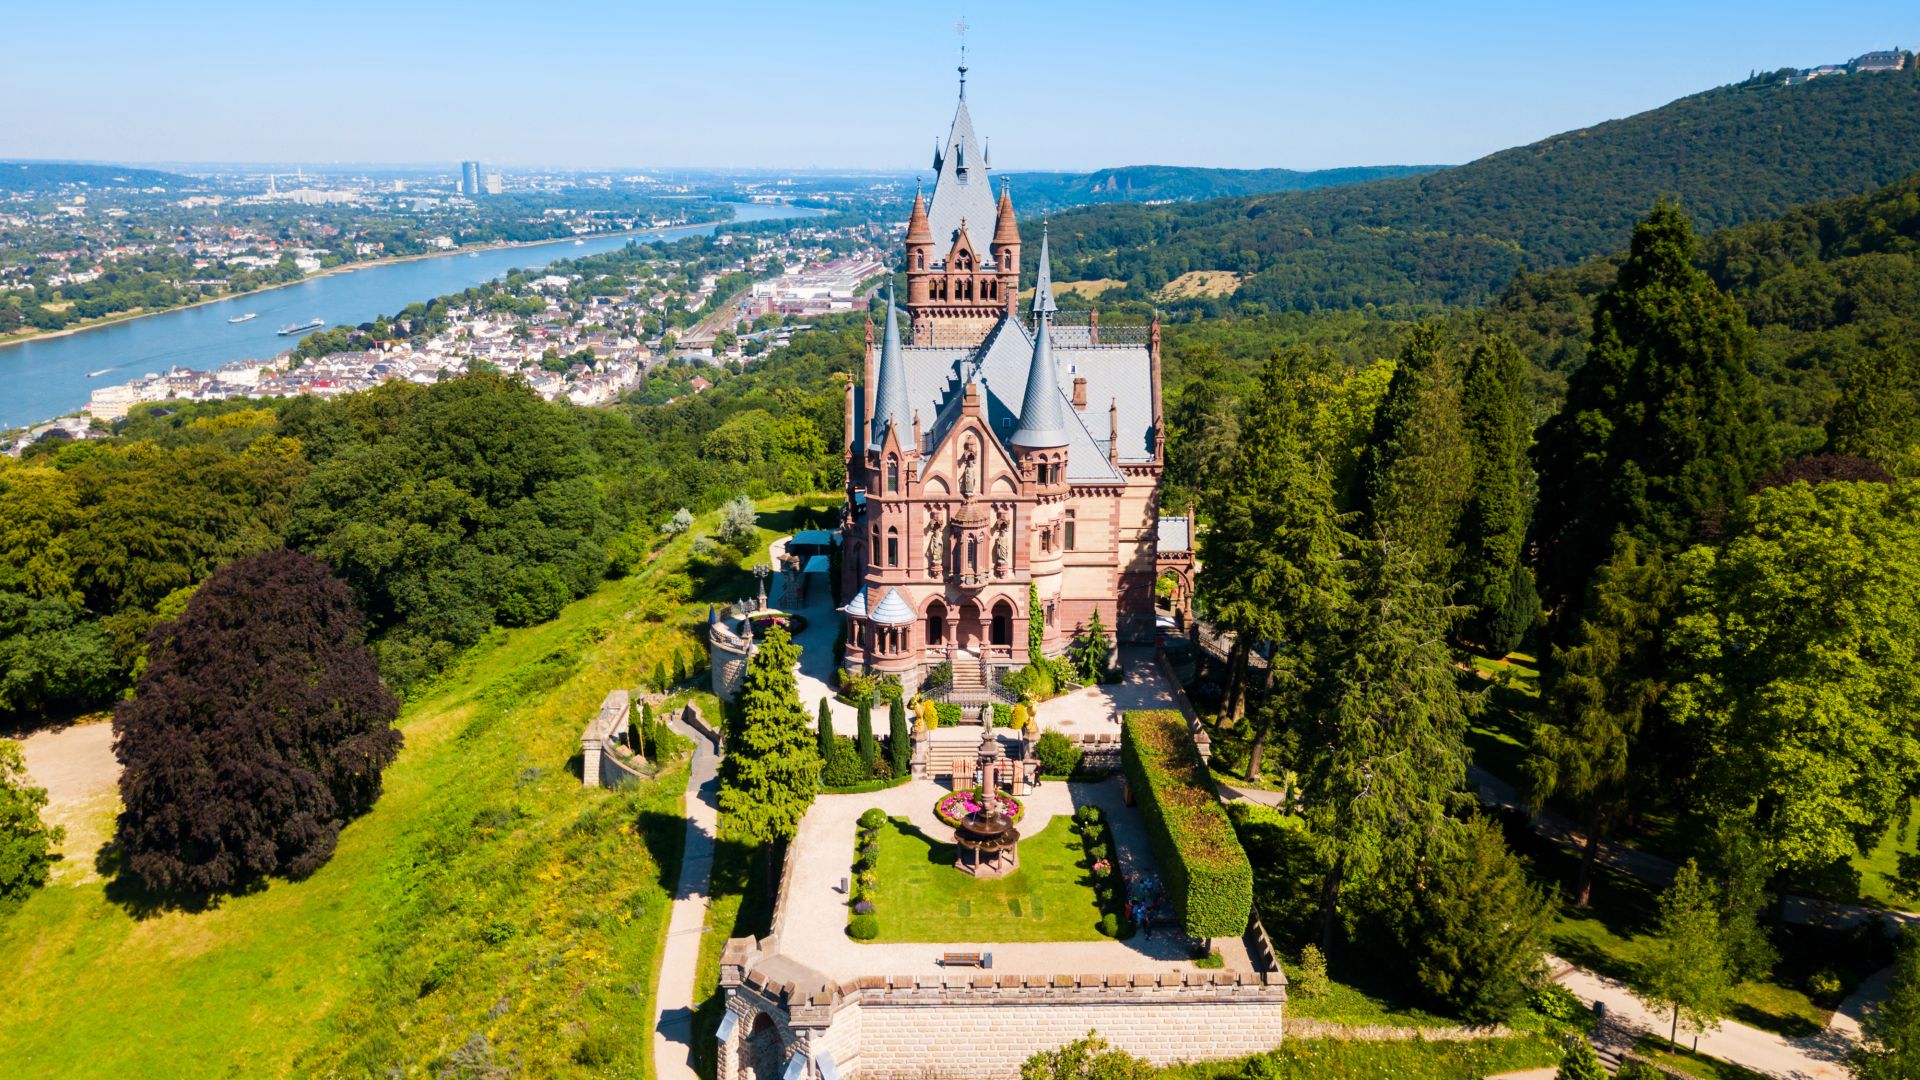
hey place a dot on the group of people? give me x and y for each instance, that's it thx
(1144, 898)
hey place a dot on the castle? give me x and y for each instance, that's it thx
(997, 453)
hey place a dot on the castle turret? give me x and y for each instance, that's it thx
(919, 253)
(1006, 247)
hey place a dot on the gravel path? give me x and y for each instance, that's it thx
(77, 767)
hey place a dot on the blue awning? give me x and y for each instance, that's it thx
(811, 538)
(796, 1067)
(823, 1061)
(816, 564)
(727, 1025)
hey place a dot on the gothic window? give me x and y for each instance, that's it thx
(937, 624)
(876, 541)
(1002, 623)
(1068, 545)
(893, 476)
(919, 261)
(973, 555)
(893, 547)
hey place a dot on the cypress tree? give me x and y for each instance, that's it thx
(899, 739)
(1417, 469)
(1662, 425)
(868, 745)
(646, 737)
(824, 729)
(1493, 526)
(772, 767)
(661, 683)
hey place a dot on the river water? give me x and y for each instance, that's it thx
(50, 377)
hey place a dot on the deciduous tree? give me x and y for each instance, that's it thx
(1686, 968)
(1892, 1027)
(26, 842)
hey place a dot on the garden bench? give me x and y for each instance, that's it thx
(967, 959)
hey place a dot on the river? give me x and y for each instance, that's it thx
(52, 376)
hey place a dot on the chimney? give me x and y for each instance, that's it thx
(1080, 392)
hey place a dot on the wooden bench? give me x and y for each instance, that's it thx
(967, 959)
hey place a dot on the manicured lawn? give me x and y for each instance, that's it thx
(921, 897)
(487, 914)
(1877, 869)
(1498, 735)
(1700, 1065)
(1333, 1059)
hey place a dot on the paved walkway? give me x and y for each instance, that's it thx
(1096, 710)
(673, 998)
(811, 923)
(1817, 1057)
(814, 675)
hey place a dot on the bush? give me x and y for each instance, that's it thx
(844, 768)
(1212, 961)
(1639, 1070)
(739, 522)
(1036, 681)
(947, 713)
(598, 1048)
(873, 819)
(1310, 975)
(863, 927)
(1823, 985)
(26, 843)
(1557, 1003)
(938, 677)
(1058, 756)
(1002, 714)
(1110, 925)
(1209, 880)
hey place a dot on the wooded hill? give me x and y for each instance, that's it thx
(44, 175)
(1037, 191)
(1456, 236)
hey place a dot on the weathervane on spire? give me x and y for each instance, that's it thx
(961, 29)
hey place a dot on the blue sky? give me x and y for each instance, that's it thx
(798, 84)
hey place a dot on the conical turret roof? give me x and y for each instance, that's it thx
(890, 385)
(1043, 281)
(1043, 418)
(918, 232)
(1004, 230)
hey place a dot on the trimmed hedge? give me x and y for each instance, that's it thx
(1209, 880)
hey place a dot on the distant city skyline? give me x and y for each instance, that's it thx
(1067, 86)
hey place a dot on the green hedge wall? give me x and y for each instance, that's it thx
(1209, 880)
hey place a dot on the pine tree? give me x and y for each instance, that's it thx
(646, 737)
(823, 728)
(1580, 1062)
(1493, 527)
(1610, 676)
(1271, 563)
(1685, 967)
(899, 739)
(869, 747)
(1470, 924)
(1663, 423)
(661, 683)
(1383, 745)
(772, 767)
(1417, 469)
(1090, 650)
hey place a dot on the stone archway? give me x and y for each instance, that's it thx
(760, 1052)
(1002, 633)
(971, 629)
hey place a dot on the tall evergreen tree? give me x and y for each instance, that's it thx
(868, 746)
(1417, 469)
(1662, 424)
(772, 767)
(1271, 563)
(1383, 748)
(823, 728)
(899, 739)
(1878, 414)
(1610, 680)
(1493, 527)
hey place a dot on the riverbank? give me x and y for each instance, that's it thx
(23, 337)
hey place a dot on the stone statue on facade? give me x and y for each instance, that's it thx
(1000, 548)
(935, 564)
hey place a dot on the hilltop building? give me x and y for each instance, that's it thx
(995, 454)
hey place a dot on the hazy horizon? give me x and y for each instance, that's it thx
(833, 87)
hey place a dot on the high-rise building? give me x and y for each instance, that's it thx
(999, 460)
(493, 183)
(469, 178)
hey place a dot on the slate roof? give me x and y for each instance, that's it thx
(1042, 403)
(963, 191)
(1174, 534)
(891, 610)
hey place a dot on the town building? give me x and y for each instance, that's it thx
(997, 458)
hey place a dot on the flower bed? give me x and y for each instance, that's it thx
(861, 891)
(792, 624)
(952, 808)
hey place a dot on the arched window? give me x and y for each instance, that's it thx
(876, 540)
(1068, 545)
(919, 261)
(893, 476)
(1002, 633)
(973, 554)
(893, 547)
(937, 623)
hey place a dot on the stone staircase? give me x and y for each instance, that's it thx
(969, 682)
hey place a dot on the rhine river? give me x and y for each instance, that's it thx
(50, 377)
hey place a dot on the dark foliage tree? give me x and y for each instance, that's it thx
(1493, 526)
(823, 730)
(1662, 425)
(1470, 924)
(1878, 414)
(863, 737)
(258, 729)
(1580, 1062)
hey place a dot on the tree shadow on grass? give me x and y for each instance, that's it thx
(127, 891)
(738, 870)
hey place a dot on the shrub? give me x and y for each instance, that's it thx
(863, 928)
(938, 677)
(600, 1046)
(1580, 1063)
(1557, 1003)
(948, 714)
(873, 818)
(1058, 756)
(680, 522)
(1209, 880)
(26, 843)
(1021, 717)
(1110, 925)
(844, 768)
(739, 522)
(1002, 714)
(1212, 961)
(1310, 975)
(1639, 1070)
(863, 907)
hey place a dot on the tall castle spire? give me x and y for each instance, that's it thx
(1043, 420)
(890, 386)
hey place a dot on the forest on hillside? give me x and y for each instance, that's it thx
(1456, 236)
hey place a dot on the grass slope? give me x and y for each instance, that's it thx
(487, 913)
